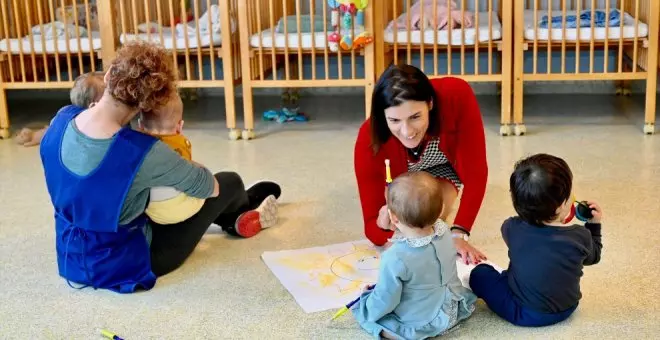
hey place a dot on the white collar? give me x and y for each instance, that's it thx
(439, 228)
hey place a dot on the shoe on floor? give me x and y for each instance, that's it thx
(252, 222)
(260, 190)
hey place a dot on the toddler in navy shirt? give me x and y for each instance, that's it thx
(546, 254)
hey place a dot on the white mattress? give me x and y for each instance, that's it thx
(50, 46)
(291, 40)
(600, 33)
(179, 42)
(456, 33)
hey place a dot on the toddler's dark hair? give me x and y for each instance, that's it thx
(539, 185)
(415, 198)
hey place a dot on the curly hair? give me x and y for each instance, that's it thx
(141, 76)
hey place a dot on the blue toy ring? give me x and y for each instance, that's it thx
(334, 4)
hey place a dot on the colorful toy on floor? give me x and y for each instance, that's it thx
(352, 21)
(290, 110)
(285, 115)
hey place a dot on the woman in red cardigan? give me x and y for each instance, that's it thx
(423, 125)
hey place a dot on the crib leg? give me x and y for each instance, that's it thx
(248, 113)
(4, 115)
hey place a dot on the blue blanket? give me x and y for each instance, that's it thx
(585, 19)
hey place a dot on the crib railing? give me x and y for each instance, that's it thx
(407, 36)
(586, 39)
(162, 21)
(271, 40)
(25, 45)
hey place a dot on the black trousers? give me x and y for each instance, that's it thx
(172, 244)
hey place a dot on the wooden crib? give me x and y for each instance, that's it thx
(478, 48)
(45, 44)
(292, 44)
(632, 39)
(205, 50)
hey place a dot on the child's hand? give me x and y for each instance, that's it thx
(596, 211)
(367, 288)
(383, 220)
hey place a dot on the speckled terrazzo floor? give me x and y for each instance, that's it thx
(224, 291)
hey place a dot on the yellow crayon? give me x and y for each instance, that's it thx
(388, 176)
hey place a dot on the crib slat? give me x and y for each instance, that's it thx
(159, 15)
(592, 40)
(477, 31)
(261, 39)
(312, 21)
(92, 53)
(79, 49)
(396, 31)
(435, 39)
(57, 50)
(577, 45)
(490, 36)
(272, 34)
(20, 41)
(620, 54)
(183, 14)
(462, 37)
(298, 26)
(607, 35)
(200, 64)
(175, 57)
(450, 41)
(40, 15)
(549, 42)
(563, 37)
(147, 14)
(327, 44)
(409, 33)
(536, 38)
(286, 41)
(32, 42)
(421, 45)
(635, 46)
(5, 23)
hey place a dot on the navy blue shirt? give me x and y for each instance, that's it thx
(546, 262)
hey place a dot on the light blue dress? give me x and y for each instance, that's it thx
(418, 294)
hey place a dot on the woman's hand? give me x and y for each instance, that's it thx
(468, 253)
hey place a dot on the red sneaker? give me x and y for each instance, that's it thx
(251, 222)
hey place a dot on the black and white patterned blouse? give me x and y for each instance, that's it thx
(434, 161)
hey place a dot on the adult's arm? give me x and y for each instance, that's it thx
(371, 186)
(163, 167)
(470, 154)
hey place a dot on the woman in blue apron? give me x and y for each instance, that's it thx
(99, 171)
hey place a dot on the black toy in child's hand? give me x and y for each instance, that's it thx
(583, 212)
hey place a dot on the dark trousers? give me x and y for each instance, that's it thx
(172, 244)
(491, 286)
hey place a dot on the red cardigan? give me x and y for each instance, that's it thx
(462, 140)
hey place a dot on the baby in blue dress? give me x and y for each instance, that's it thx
(418, 294)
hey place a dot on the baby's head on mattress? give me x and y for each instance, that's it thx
(166, 120)
(87, 89)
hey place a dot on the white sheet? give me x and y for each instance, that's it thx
(600, 33)
(456, 34)
(50, 46)
(179, 42)
(328, 277)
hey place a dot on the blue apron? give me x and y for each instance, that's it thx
(92, 248)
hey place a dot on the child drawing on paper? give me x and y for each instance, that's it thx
(418, 294)
(343, 272)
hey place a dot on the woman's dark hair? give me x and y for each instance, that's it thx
(539, 185)
(398, 84)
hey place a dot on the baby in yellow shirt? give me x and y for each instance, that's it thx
(168, 205)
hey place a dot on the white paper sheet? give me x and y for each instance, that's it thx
(329, 277)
